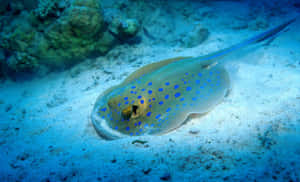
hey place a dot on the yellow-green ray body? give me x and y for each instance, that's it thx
(159, 97)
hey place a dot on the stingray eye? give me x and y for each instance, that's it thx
(130, 112)
(127, 112)
(134, 109)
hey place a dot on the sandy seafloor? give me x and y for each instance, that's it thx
(46, 132)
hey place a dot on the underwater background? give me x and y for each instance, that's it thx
(58, 56)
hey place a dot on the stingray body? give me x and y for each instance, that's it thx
(159, 97)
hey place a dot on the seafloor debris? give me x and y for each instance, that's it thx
(196, 37)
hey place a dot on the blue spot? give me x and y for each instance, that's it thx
(103, 117)
(133, 87)
(157, 116)
(188, 88)
(127, 128)
(150, 92)
(140, 122)
(208, 80)
(142, 101)
(184, 82)
(152, 125)
(131, 134)
(141, 130)
(176, 86)
(137, 133)
(167, 96)
(135, 124)
(200, 74)
(198, 92)
(132, 102)
(193, 75)
(197, 81)
(186, 73)
(150, 106)
(126, 102)
(125, 98)
(103, 109)
(150, 83)
(143, 89)
(119, 104)
(161, 103)
(146, 125)
(153, 98)
(149, 100)
(132, 92)
(169, 109)
(167, 83)
(194, 98)
(201, 86)
(182, 99)
(160, 89)
(149, 114)
(116, 127)
(139, 97)
(177, 94)
(210, 72)
(182, 79)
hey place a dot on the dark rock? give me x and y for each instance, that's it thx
(146, 171)
(139, 141)
(194, 131)
(166, 177)
(8, 107)
(23, 156)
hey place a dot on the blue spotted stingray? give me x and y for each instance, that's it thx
(160, 97)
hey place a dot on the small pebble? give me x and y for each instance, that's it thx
(147, 171)
(166, 177)
(8, 107)
(194, 131)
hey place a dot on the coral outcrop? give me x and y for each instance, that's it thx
(59, 33)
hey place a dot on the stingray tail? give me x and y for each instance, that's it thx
(271, 33)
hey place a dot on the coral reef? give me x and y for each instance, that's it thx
(58, 34)
(48, 8)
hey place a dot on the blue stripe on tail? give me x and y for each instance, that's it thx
(258, 38)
